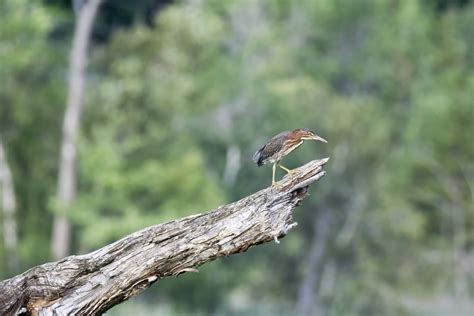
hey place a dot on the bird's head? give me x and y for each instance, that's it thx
(305, 134)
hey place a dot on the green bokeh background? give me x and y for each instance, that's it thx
(181, 93)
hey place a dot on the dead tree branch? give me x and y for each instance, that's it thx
(93, 283)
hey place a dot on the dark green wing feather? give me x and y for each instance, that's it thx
(273, 146)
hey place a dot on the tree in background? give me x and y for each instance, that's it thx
(31, 73)
(85, 14)
(8, 206)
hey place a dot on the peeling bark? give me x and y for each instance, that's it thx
(95, 282)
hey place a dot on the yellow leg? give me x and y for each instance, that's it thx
(286, 169)
(273, 176)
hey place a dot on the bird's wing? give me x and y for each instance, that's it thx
(273, 146)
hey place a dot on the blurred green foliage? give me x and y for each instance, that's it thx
(389, 84)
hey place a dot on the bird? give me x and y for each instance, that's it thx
(281, 145)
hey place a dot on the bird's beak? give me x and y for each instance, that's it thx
(316, 137)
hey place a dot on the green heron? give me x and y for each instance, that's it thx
(281, 145)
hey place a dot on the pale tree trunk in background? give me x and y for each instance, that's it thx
(7, 198)
(459, 243)
(355, 212)
(307, 304)
(453, 203)
(85, 13)
(232, 165)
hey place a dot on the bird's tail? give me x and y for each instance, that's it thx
(257, 157)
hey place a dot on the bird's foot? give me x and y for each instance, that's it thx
(289, 171)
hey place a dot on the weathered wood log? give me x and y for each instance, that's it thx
(95, 282)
